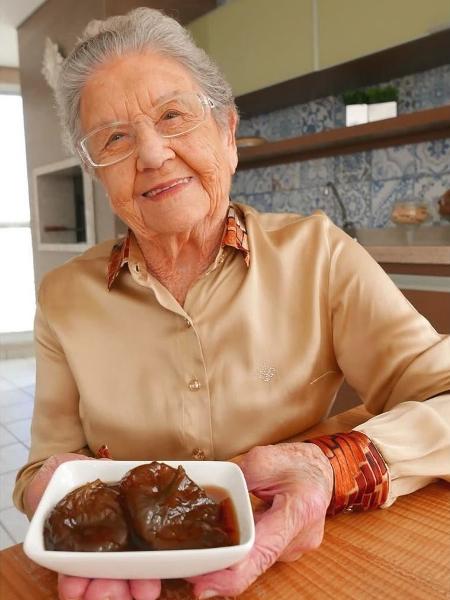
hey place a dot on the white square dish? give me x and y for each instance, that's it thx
(139, 564)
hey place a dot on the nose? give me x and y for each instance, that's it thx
(152, 150)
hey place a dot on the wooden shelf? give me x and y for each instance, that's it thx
(406, 129)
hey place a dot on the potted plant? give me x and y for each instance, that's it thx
(372, 104)
(382, 103)
(356, 111)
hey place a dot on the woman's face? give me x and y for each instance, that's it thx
(197, 165)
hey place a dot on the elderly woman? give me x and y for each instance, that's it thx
(212, 330)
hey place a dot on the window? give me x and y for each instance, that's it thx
(17, 298)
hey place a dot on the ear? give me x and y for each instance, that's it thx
(230, 140)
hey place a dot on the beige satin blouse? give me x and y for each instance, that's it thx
(255, 356)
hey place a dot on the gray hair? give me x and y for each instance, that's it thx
(140, 30)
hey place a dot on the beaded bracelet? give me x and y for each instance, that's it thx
(361, 477)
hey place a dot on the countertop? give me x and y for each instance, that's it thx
(426, 245)
(418, 255)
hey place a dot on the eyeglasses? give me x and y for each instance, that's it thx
(116, 141)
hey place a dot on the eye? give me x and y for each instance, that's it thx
(115, 137)
(171, 114)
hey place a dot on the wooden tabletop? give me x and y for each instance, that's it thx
(398, 553)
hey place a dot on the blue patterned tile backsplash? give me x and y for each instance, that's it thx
(394, 162)
(368, 182)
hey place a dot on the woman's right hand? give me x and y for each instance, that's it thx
(36, 487)
(78, 588)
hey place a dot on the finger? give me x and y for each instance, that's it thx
(274, 532)
(309, 538)
(71, 588)
(108, 589)
(145, 589)
(34, 490)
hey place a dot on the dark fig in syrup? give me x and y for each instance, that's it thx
(88, 519)
(168, 511)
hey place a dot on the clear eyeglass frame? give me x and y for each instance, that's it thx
(207, 104)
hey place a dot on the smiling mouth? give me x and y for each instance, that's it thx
(158, 190)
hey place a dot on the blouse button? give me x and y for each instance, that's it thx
(188, 323)
(194, 385)
(198, 454)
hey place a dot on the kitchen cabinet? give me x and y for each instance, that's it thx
(258, 42)
(352, 28)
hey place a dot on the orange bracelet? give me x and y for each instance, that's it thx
(361, 477)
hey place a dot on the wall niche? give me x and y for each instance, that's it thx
(63, 207)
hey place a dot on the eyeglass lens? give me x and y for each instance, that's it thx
(118, 140)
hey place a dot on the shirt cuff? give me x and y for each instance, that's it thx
(414, 439)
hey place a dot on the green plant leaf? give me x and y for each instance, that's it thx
(371, 96)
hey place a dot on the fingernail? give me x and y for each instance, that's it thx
(207, 594)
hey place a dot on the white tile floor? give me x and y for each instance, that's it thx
(17, 378)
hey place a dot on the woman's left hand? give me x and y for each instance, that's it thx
(297, 480)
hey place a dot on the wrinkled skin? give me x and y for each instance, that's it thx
(179, 232)
(294, 479)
